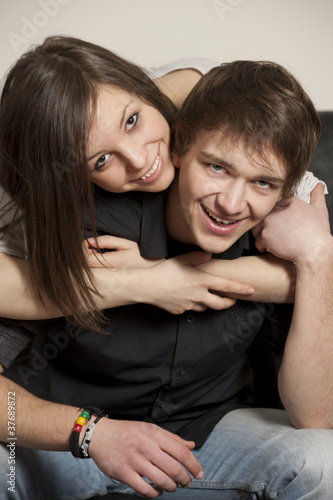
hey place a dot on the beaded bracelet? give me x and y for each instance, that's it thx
(86, 414)
(87, 438)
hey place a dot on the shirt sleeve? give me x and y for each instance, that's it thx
(199, 64)
(306, 186)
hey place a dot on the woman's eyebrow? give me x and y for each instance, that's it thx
(124, 113)
(120, 126)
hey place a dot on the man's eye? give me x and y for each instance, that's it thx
(131, 121)
(217, 168)
(101, 161)
(264, 184)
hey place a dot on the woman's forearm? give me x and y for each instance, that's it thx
(19, 300)
(273, 279)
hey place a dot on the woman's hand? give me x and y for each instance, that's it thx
(178, 285)
(121, 253)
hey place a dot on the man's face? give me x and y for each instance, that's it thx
(225, 190)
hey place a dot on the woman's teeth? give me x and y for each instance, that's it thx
(217, 219)
(148, 174)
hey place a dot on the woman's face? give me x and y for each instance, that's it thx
(129, 144)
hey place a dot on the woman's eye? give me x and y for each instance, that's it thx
(101, 161)
(131, 121)
(217, 168)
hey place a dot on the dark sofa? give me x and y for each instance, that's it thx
(322, 162)
(322, 167)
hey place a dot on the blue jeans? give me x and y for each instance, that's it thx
(251, 454)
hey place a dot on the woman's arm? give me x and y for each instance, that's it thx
(177, 84)
(272, 279)
(175, 285)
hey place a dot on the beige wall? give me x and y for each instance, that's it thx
(295, 33)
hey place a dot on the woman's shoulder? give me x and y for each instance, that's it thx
(177, 79)
(201, 65)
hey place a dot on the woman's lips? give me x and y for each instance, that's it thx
(153, 169)
(153, 173)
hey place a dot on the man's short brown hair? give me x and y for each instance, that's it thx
(258, 103)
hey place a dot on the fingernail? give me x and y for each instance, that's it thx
(250, 290)
(199, 475)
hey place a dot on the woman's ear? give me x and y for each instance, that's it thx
(176, 160)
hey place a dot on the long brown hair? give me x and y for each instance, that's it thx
(47, 105)
(259, 103)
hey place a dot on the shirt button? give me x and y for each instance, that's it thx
(190, 318)
(181, 371)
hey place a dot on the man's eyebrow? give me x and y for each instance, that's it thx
(216, 159)
(223, 163)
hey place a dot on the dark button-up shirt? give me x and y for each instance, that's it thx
(181, 372)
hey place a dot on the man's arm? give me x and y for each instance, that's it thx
(301, 233)
(138, 448)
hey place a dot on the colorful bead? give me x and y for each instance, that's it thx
(81, 421)
(77, 428)
(85, 414)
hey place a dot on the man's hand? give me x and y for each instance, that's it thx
(128, 451)
(298, 231)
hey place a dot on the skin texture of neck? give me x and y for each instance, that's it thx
(177, 227)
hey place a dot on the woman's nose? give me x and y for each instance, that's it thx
(135, 157)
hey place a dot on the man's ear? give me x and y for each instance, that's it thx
(176, 160)
(283, 201)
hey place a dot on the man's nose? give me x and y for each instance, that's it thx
(232, 200)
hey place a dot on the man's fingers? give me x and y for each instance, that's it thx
(186, 459)
(143, 488)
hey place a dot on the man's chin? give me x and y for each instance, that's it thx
(217, 247)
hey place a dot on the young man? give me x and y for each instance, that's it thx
(244, 138)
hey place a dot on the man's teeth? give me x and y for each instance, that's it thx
(148, 174)
(217, 219)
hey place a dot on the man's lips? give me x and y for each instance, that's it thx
(220, 225)
(219, 220)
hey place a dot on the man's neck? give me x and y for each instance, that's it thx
(177, 227)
